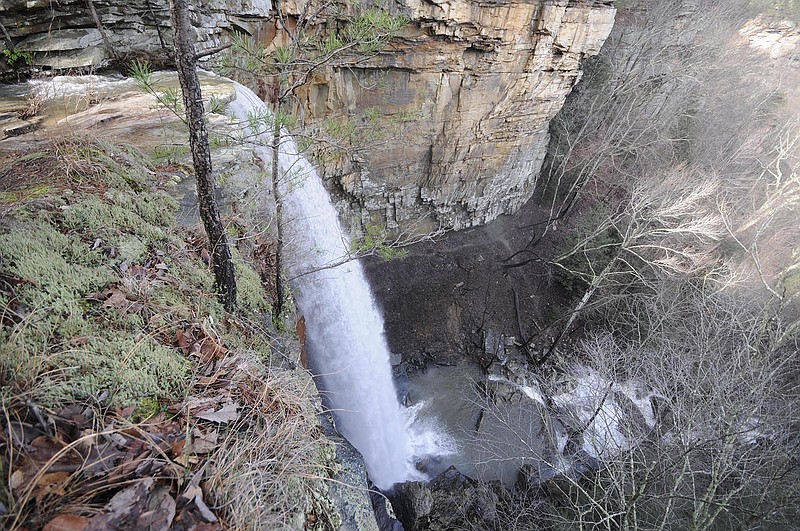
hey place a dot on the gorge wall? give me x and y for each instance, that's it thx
(468, 93)
(463, 97)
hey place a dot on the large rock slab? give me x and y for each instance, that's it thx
(450, 501)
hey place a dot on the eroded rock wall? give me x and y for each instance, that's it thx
(465, 97)
(65, 34)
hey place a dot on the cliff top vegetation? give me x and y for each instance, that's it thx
(129, 396)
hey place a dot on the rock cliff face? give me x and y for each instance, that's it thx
(65, 34)
(468, 93)
(457, 109)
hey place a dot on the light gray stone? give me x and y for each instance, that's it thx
(61, 40)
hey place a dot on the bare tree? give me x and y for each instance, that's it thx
(680, 210)
(186, 64)
(669, 225)
(647, 121)
(719, 449)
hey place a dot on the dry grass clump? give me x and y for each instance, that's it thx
(270, 471)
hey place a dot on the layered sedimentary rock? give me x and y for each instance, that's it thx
(85, 33)
(465, 99)
(451, 119)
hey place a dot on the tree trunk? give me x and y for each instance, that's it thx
(185, 62)
(106, 43)
(277, 307)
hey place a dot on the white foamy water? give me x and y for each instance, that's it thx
(345, 338)
(593, 403)
(69, 86)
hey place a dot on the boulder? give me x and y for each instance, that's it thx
(413, 503)
(450, 501)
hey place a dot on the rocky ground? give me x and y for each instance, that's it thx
(455, 298)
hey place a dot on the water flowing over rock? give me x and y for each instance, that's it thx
(347, 349)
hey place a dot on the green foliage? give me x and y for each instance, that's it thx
(375, 240)
(304, 143)
(259, 120)
(247, 56)
(140, 71)
(170, 99)
(26, 194)
(405, 116)
(339, 129)
(372, 29)
(331, 44)
(284, 55)
(147, 408)
(219, 141)
(365, 33)
(285, 119)
(135, 213)
(14, 56)
(217, 105)
(170, 153)
(130, 368)
(63, 269)
(63, 347)
(251, 293)
(372, 114)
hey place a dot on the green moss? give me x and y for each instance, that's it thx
(94, 216)
(26, 194)
(129, 370)
(194, 273)
(132, 249)
(249, 289)
(59, 272)
(61, 347)
(154, 208)
(147, 408)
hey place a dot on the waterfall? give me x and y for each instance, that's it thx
(347, 349)
(348, 353)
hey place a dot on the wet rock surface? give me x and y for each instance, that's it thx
(349, 488)
(450, 501)
(453, 299)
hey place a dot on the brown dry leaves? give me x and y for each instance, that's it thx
(86, 472)
(142, 467)
(134, 475)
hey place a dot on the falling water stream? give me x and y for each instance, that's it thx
(348, 353)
